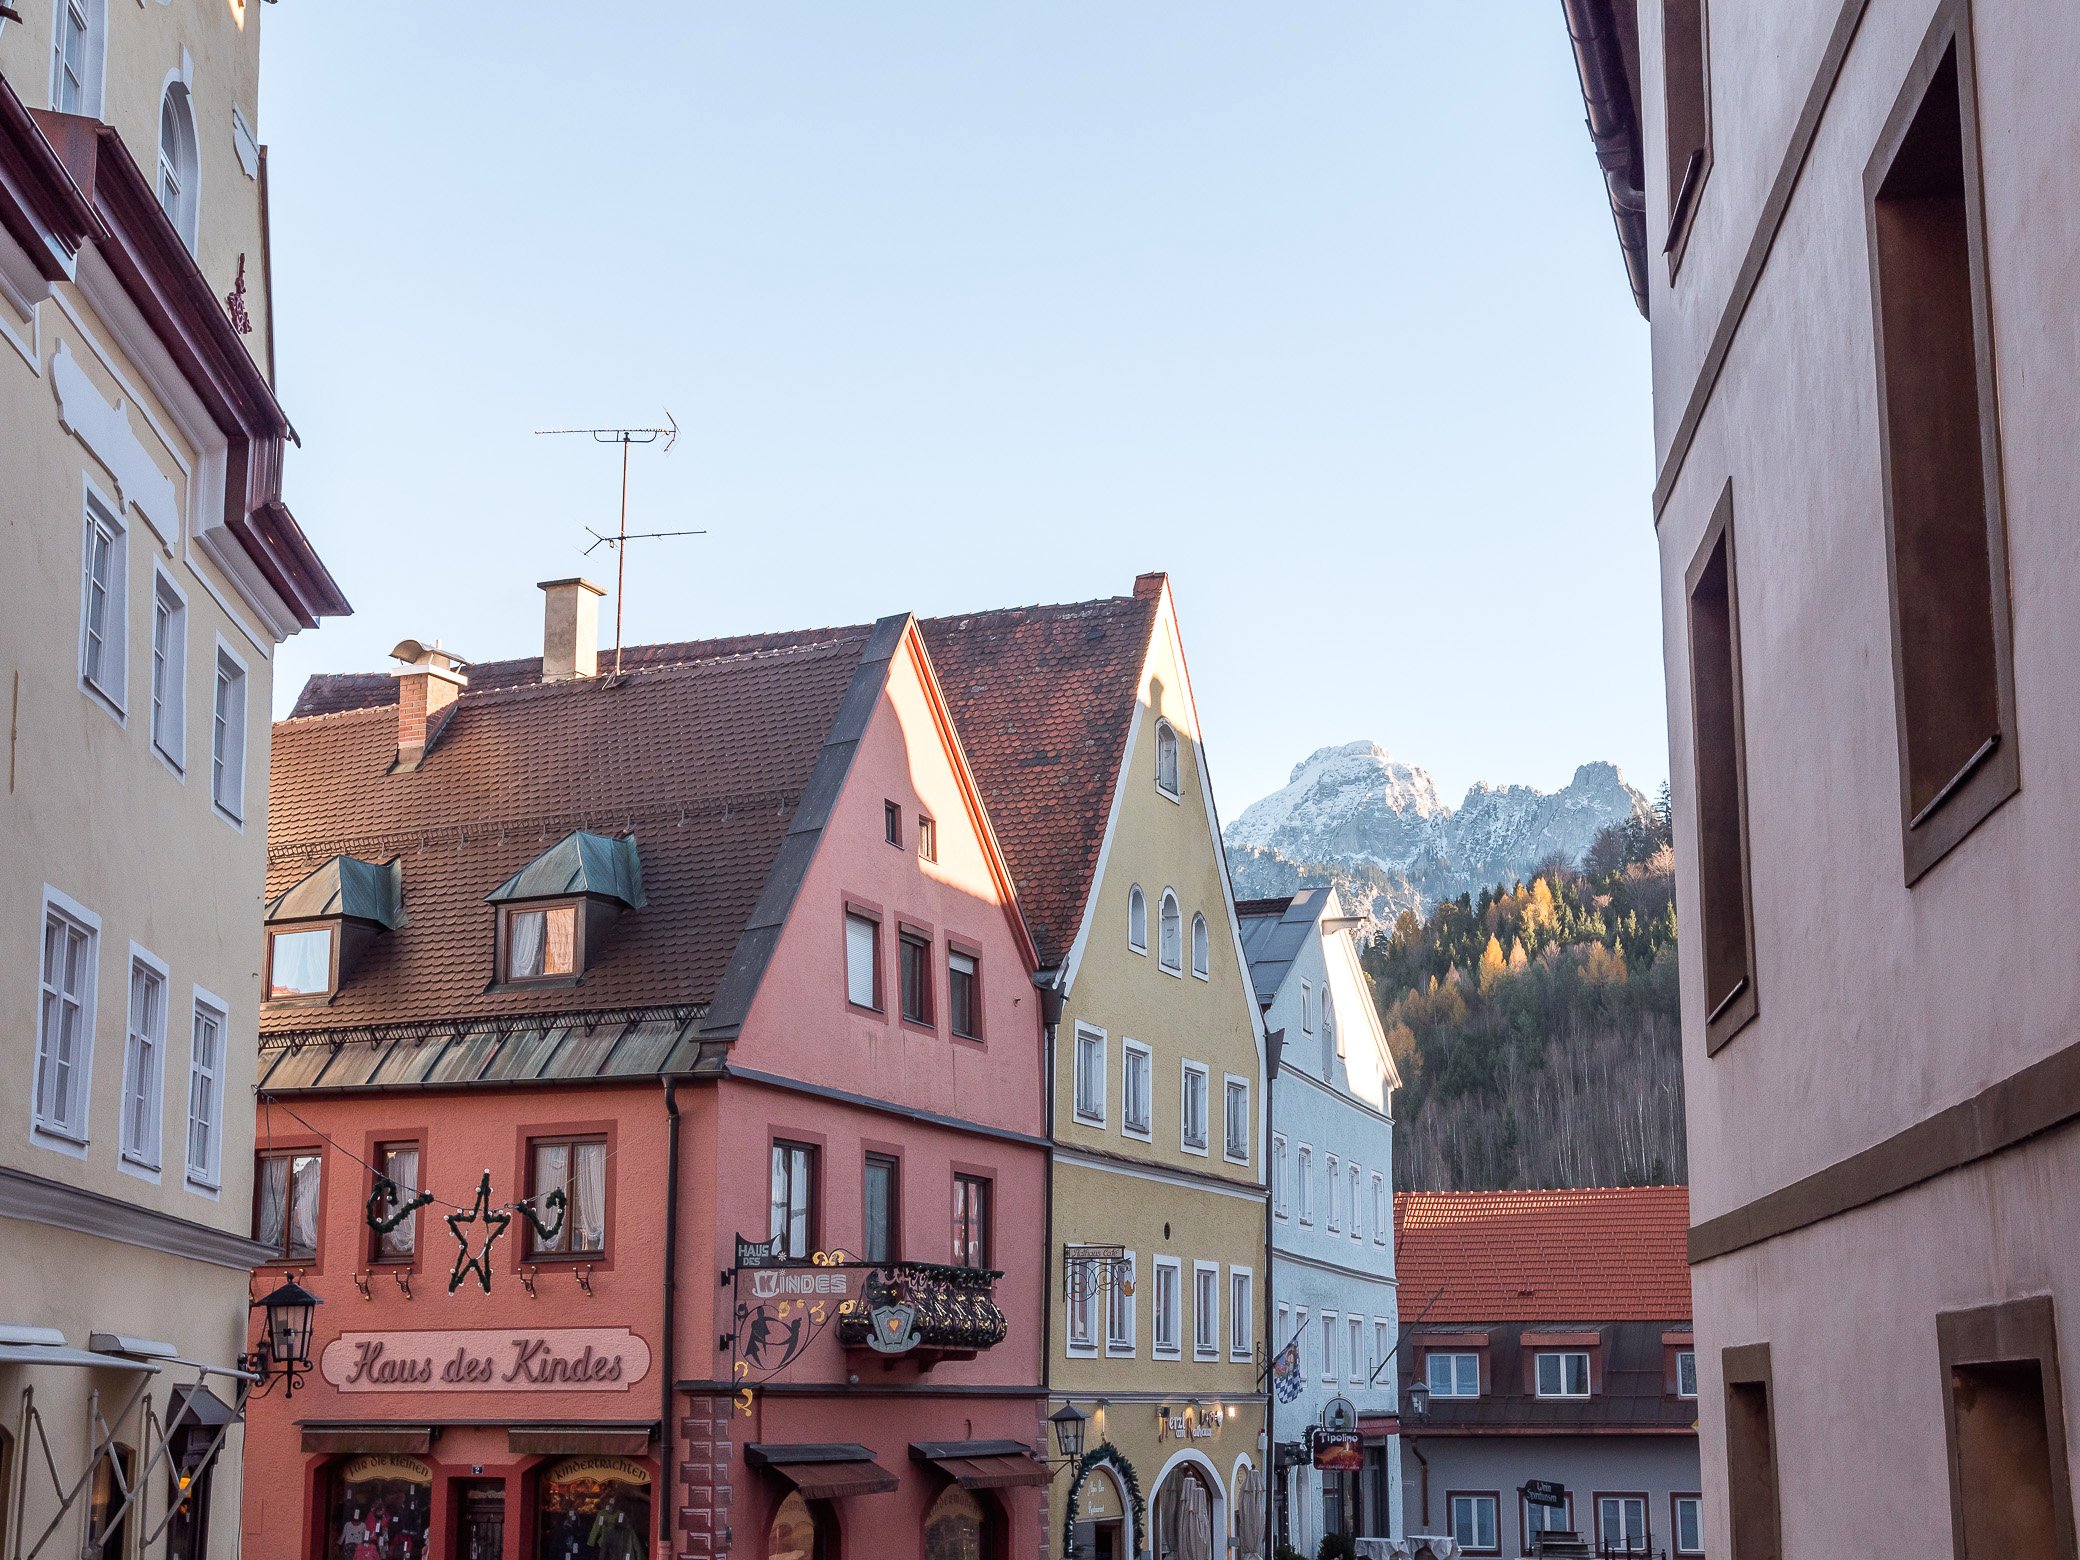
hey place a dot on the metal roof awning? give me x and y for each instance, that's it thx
(1371, 1425)
(824, 1471)
(198, 1407)
(578, 1440)
(984, 1465)
(336, 1436)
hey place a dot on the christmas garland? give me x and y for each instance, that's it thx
(1103, 1453)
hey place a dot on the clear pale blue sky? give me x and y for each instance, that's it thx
(963, 305)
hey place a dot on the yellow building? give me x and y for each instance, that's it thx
(151, 572)
(1080, 724)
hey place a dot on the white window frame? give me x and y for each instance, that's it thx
(1230, 1083)
(1451, 1389)
(1675, 1539)
(1620, 1546)
(1090, 1041)
(1382, 1330)
(1242, 1312)
(1202, 947)
(1306, 1008)
(1332, 1169)
(93, 56)
(1379, 1209)
(1169, 915)
(1354, 1328)
(1331, 1341)
(141, 1123)
(1475, 1505)
(1278, 1175)
(1173, 1314)
(1189, 1070)
(1168, 742)
(1681, 1356)
(1119, 1302)
(1303, 1173)
(1301, 1317)
(169, 675)
(181, 164)
(1357, 1178)
(207, 1083)
(1329, 1017)
(1206, 1320)
(854, 922)
(219, 782)
(109, 685)
(67, 1134)
(1080, 1305)
(1562, 1356)
(1137, 920)
(1131, 1052)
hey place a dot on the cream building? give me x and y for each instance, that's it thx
(152, 570)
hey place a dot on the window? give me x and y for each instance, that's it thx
(285, 1212)
(1166, 758)
(1329, 1045)
(1206, 1310)
(1939, 441)
(1171, 951)
(1169, 1309)
(1357, 1209)
(77, 45)
(1329, 1346)
(1686, 116)
(1621, 1523)
(1453, 1375)
(1548, 1519)
(971, 1221)
(1235, 1142)
(206, 1096)
(880, 1228)
(144, 1063)
(1335, 1174)
(1090, 1075)
(1137, 919)
(1119, 1310)
(794, 1200)
(863, 961)
(179, 173)
(103, 598)
(65, 1021)
(1306, 1008)
(927, 838)
(1278, 1174)
(1563, 1375)
(299, 963)
(1354, 1359)
(1686, 1373)
(1473, 1522)
(169, 672)
(1687, 1512)
(892, 824)
(1380, 1346)
(914, 976)
(1751, 1453)
(541, 943)
(1242, 1314)
(1136, 1067)
(1194, 1110)
(1202, 948)
(1379, 1209)
(577, 1167)
(1722, 805)
(2005, 1431)
(1304, 1174)
(1083, 1306)
(398, 1163)
(962, 975)
(227, 741)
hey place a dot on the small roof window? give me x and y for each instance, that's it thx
(554, 908)
(319, 927)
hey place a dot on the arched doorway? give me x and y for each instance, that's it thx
(1102, 1529)
(593, 1508)
(961, 1526)
(801, 1530)
(1184, 1520)
(381, 1509)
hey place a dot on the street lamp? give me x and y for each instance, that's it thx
(1418, 1398)
(284, 1351)
(1069, 1423)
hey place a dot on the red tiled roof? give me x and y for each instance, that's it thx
(1598, 1254)
(1044, 698)
(703, 759)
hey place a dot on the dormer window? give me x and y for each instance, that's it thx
(299, 962)
(559, 907)
(1563, 1375)
(1166, 758)
(540, 942)
(324, 924)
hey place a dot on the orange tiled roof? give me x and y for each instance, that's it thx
(1596, 1254)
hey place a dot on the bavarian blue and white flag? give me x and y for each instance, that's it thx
(1286, 1380)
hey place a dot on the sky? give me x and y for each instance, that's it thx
(956, 305)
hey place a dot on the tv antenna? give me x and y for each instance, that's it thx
(625, 437)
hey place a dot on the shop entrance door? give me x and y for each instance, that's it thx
(480, 1519)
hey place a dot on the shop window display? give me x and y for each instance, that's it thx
(796, 1532)
(954, 1528)
(382, 1509)
(594, 1508)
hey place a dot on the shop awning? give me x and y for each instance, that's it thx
(579, 1440)
(319, 1436)
(984, 1465)
(197, 1407)
(828, 1471)
(21, 1345)
(1379, 1425)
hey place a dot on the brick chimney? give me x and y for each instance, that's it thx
(570, 629)
(428, 684)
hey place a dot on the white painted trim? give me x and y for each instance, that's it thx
(1070, 1347)
(1116, 1465)
(1280, 1176)
(116, 700)
(94, 84)
(245, 145)
(189, 224)
(1128, 1049)
(1213, 1478)
(1157, 1349)
(1249, 1351)
(1186, 1069)
(203, 997)
(1332, 1172)
(126, 1161)
(245, 736)
(1126, 1351)
(1076, 1110)
(41, 1136)
(1200, 925)
(176, 764)
(1163, 724)
(1169, 898)
(1136, 895)
(1214, 1353)
(1341, 1269)
(1305, 1179)
(1068, 1156)
(1226, 1153)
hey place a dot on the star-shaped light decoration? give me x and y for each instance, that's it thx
(494, 1221)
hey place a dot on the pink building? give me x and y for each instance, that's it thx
(1853, 227)
(710, 979)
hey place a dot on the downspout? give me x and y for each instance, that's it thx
(669, 1332)
(1423, 1481)
(1051, 1001)
(1274, 1052)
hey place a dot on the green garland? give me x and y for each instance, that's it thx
(1105, 1452)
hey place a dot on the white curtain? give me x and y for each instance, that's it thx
(589, 1200)
(303, 1206)
(402, 1167)
(274, 1200)
(524, 934)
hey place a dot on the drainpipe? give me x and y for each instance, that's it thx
(669, 1332)
(1274, 1052)
(1416, 1452)
(1046, 982)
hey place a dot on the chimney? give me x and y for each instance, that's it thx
(570, 629)
(428, 683)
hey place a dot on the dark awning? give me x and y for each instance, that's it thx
(1371, 1425)
(337, 1437)
(198, 1407)
(627, 1440)
(823, 1471)
(984, 1465)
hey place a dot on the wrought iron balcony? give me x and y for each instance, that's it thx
(925, 1307)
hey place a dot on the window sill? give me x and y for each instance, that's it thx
(58, 1141)
(1119, 1351)
(1683, 219)
(1168, 1354)
(865, 1011)
(1084, 1119)
(1171, 796)
(173, 766)
(1975, 795)
(235, 820)
(1735, 1012)
(108, 701)
(921, 1026)
(1198, 1152)
(1234, 1158)
(971, 1039)
(1174, 971)
(1138, 1134)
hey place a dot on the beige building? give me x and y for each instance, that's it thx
(1853, 227)
(151, 571)
(1080, 724)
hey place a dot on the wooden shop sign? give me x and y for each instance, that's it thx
(550, 1359)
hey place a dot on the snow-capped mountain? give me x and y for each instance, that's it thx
(1376, 827)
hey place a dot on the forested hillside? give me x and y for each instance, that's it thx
(1536, 1028)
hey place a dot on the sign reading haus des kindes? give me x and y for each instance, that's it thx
(549, 1359)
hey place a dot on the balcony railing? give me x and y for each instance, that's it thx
(917, 1307)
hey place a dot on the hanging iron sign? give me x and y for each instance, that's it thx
(1545, 1492)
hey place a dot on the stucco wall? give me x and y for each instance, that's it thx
(1586, 1466)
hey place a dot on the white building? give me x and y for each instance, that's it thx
(1332, 1212)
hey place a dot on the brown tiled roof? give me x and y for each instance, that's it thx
(1044, 698)
(702, 756)
(1594, 1254)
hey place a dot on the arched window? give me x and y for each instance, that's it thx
(179, 164)
(1137, 920)
(1166, 758)
(799, 1531)
(1202, 952)
(1171, 951)
(79, 41)
(957, 1527)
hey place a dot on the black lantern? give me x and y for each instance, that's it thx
(1419, 1398)
(1069, 1423)
(284, 1351)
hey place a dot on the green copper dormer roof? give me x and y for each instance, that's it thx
(346, 886)
(579, 863)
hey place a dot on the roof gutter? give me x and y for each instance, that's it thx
(1614, 129)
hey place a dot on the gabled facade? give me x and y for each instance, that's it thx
(1331, 1169)
(151, 571)
(1086, 740)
